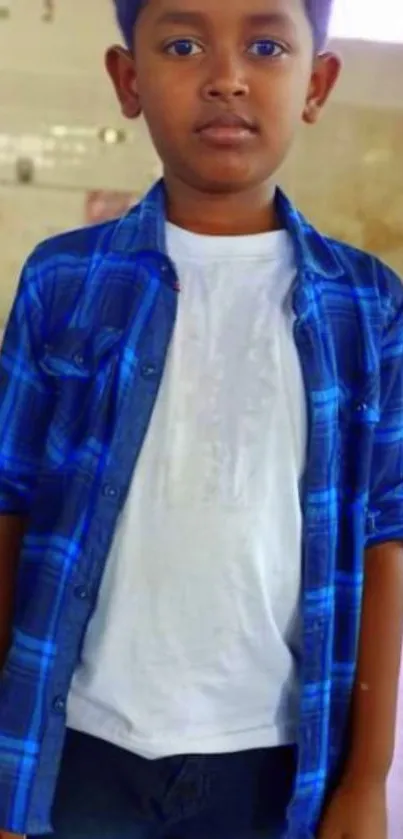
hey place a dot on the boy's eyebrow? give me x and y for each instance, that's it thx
(180, 18)
(280, 19)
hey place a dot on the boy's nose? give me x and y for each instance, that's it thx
(226, 82)
(225, 90)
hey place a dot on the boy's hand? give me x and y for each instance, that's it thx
(358, 810)
(4, 835)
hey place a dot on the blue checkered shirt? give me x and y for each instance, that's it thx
(82, 361)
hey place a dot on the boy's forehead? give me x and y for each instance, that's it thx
(244, 8)
(288, 17)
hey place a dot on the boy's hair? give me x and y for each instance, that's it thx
(319, 12)
(126, 13)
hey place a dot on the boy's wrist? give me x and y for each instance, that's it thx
(361, 767)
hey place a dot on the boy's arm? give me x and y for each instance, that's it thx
(380, 647)
(380, 650)
(358, 808)
(25, 411)
(11, 535)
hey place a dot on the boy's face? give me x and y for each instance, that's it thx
(223, 86)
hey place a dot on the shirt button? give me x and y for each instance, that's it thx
(59, 704)
(78, 359)
(81, 592)
(148, 370)
(361, 407)
(109, 491)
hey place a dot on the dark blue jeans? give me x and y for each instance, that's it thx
(107, 793)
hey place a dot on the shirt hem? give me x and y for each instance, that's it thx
(253, 738)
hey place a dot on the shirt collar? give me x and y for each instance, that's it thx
(142, 229)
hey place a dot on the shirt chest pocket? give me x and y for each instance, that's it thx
(82, 370)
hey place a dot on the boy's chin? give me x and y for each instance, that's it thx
(228, 180)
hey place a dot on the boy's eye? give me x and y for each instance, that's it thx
(265, 48)
(183, 48)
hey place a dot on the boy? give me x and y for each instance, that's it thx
(209, 596)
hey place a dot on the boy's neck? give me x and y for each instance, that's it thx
(209, 214)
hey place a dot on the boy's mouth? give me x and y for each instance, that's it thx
(227, 129)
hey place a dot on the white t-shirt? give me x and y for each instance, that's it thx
(191, 648)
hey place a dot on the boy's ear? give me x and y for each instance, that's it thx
(325, 73)
(122, 70)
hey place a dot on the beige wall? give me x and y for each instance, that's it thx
(347, 173)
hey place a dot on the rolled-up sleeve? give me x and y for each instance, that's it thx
(385, 520)
(25, 399)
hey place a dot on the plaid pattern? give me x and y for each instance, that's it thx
(80, 369)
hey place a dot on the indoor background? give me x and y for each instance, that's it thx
(67, 158)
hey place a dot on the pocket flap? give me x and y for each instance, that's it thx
(78, 354)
